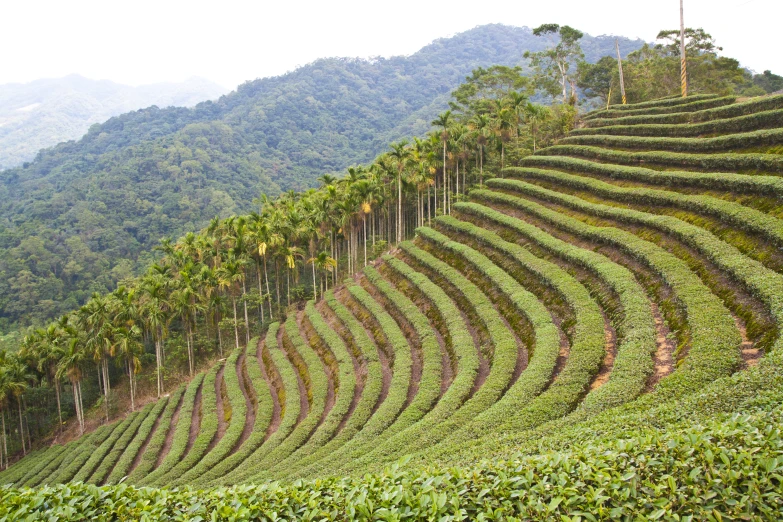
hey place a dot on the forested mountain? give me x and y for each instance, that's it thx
(45, 112)
(86, 214)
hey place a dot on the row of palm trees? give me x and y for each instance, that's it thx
(242, 272)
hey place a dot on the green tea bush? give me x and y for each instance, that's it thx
(179, 442)
(133, 447)
(365, 350)
(685, 112)
(393, 405)
(290, 410)
(738, 183)
(715, 340)
(108, 463)
(633, 364)
(149, 458)
(726, 469)
(263, 403)
(663, 106)
(746, 123)
(235, 428)
(735, 214)
(314, 374)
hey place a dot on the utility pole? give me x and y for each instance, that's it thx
(620, 66)
(683, 61)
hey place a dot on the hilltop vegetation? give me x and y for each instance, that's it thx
(43, 113)
(85, 215)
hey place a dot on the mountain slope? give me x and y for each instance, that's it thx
(43, 113)
(623, 312)
(78, 218)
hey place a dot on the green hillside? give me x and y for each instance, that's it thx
(86, 214)
(593, 333)
(43, 113)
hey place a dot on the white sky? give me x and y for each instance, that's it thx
(228, 41)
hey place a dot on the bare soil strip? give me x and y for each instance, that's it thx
(246, 387)
(296, 360)
(143, 448)
(383, 356)
(664, 355)
(195, 421)
(273, 380)
(328, 362)
(610, 337)
(410, 333)
(359, 364)
(750, 354)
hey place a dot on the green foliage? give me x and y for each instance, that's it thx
(740, 183)
(229, 440)
(149, 458)
(704, 108)
(729, 468)
(179, 441)
(291, 409)
(132, 448)
(750, 122)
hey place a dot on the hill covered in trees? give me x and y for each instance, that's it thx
(85, 214)
(43, 113)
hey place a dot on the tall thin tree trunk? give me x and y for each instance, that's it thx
(260, 292)
(236, 327)
(457, 176)
(159, 363)
(315, 290)
(244, 302)
(219, 334)
(277, 282)
(399, 206)
(21, 426)
(190, 347)
(76, 402)
(268, 291)
(106, 390)
(81, 406)
(131, 383)
(365, 239)
(5, 441)
(59, 408)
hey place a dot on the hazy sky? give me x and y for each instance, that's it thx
(228, 41)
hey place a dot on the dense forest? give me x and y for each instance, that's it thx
(85, 215)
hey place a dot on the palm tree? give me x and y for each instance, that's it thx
(184, 304)
(128, 346)
(228, 276)
(324, 264)
(156, 314)
(96, 320)
(535, 115)
(479, 125)
(443, 120)
(400, 154)
(71, 366)
(46, 349)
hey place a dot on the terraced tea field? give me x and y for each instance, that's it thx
(602, 283)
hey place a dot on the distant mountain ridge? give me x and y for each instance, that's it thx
(84, 214)
(42, 113)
